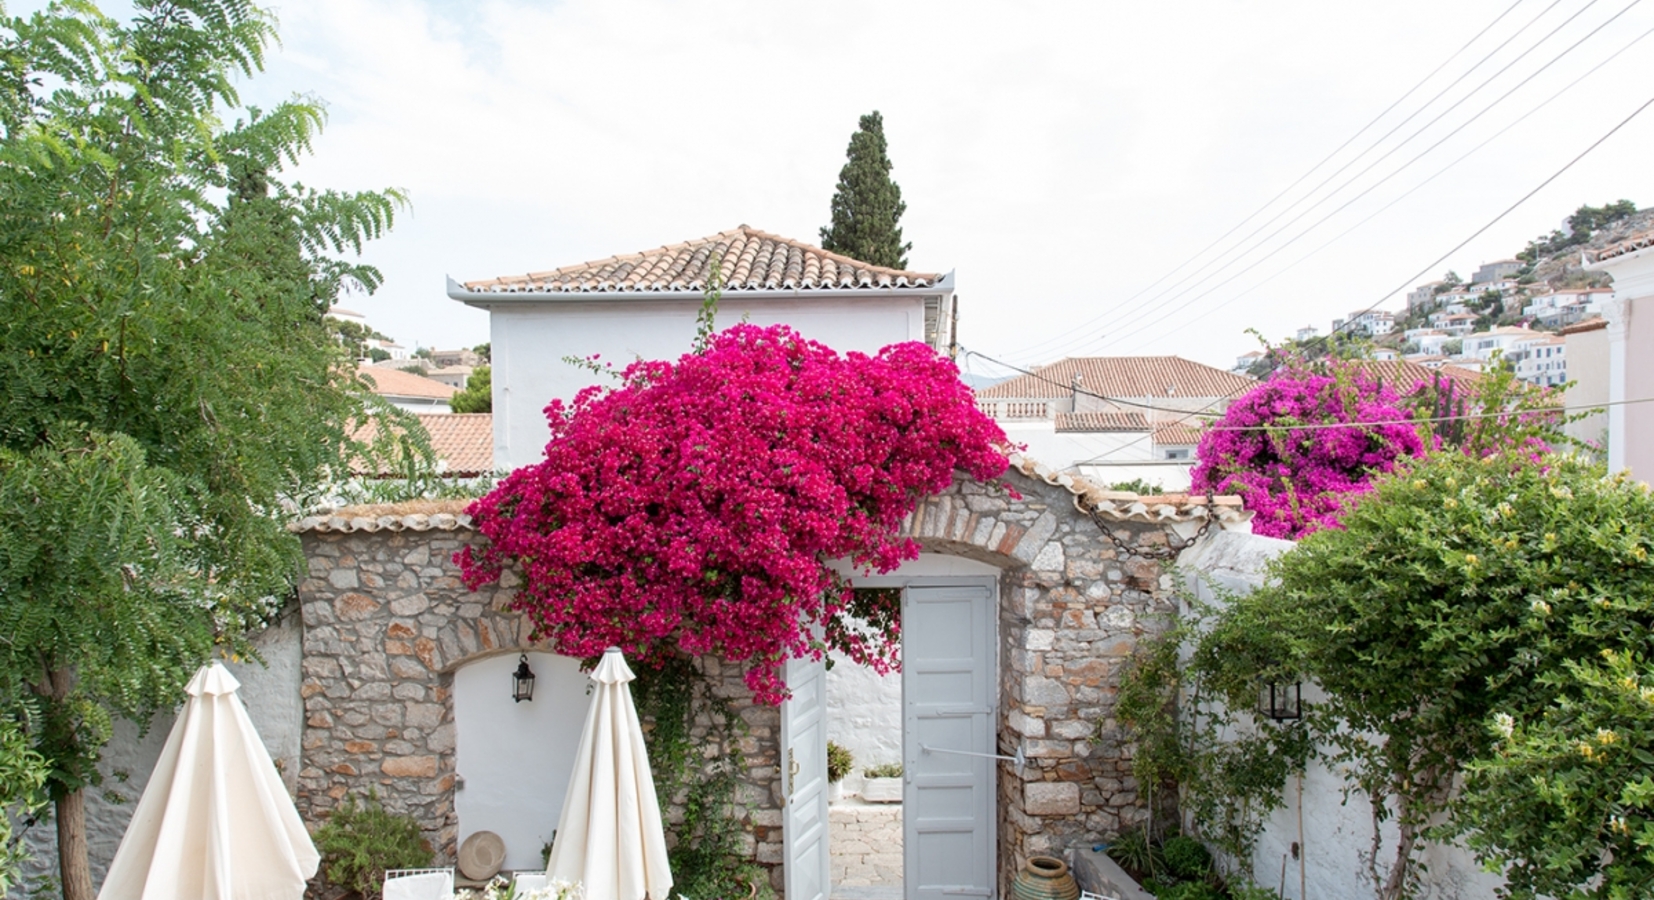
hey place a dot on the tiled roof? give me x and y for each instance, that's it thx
(1128, 507)
(1101, 421)
(1123, 376)
(1592, 324)
(1177, 434)
(463, 443)
(423, 515)
(1629, 245)
(750, 260)
(397, 383)
(1402, 374)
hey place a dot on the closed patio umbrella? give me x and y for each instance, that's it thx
(609, 837)
(215, 821)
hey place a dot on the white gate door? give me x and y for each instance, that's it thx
(949, 703)
(804, 780)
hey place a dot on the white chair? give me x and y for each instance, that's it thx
(523, 882)
(419, 884)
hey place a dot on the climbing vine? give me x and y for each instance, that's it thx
(697, 774)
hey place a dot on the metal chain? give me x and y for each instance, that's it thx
(1168, 552)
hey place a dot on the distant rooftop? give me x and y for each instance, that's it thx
(1122, 376)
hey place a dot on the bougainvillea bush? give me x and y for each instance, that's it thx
(1271, 447)
(696, 505)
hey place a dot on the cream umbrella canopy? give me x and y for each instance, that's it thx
(609, 837)
(215, 821)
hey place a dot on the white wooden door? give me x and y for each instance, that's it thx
(948, 705)
(804, 832)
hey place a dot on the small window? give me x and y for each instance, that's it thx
(1181, 453)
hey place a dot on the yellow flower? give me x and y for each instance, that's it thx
(1450, 503)
(1606, 737)
(1470, 559)
(1541, 607)
(1587, 751)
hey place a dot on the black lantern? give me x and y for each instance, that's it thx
(1282, 702)
(522, 681)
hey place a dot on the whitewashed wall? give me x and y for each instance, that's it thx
(1330, 835)
(271, 694)
(516, 758)
(530, 340)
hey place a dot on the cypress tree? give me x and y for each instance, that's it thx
(867, 205)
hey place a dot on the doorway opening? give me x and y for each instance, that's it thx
(940, 838)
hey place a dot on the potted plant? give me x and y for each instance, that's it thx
(884, 784)
(839, 762)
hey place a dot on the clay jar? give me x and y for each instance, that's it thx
(1045, 878)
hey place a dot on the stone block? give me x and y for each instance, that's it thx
(409, 767)
(1051, 798)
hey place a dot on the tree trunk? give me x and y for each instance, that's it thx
(72, 865)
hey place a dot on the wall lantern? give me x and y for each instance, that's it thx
(1282, 702)
(522, 681)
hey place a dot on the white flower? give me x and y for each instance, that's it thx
(1541, 607)
(1505, 724)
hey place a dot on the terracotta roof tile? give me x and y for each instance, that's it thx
(397, 383)
(1592, 324)
(1123, 376)
(750, 260)
(462, 442)
(1177, 434)
(1101, 421)
(1129, 507)
(1630, 245)
(1402, 374)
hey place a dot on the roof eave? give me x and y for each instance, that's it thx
(487, 299)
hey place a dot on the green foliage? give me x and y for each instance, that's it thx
(478, 396)
(360, 840)
(867, 206)
(1246, 889)
(1186, 857)
(1135, 851)
(22, 785)
(1188, 890)
(886, 770)
(839, 762)
(484, 350)
(376, 354)
(707, 857)
(162, 300)
(1136, 486)
(1582, 226)
(1459, 591)
(1572, 788)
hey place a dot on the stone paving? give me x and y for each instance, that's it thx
(866, 849)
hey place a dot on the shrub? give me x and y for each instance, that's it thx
(888, 770)
(360, 840)
(1189, 890)
(1134, 851)
(839, 762)
(1186, 857)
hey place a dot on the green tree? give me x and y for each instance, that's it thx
(172, 385)
(478, 396)
(1467, 600)
(867, 206)
(484, 350)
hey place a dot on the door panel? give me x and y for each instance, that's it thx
(949, 702)
(804, 781)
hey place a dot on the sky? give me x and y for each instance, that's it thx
(1064, 160)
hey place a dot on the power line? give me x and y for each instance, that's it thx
(1347, 204)
(1329, 157)
(1440, 172)
(1541, 411)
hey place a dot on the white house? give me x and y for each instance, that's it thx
(1630, 331)
(1482, 344)
(408, 391)
(1496, 270)
(643, 306)
(1422, 297)
(1371, 322)
(1456, 324)
(1541, 359)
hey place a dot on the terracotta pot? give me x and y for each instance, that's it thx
(1045, 878)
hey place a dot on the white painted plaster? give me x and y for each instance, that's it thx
(271, 694)
(531, 339)
(1331, 834)
(516, 758)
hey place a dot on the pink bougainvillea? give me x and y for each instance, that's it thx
(1296, 477)
(697, 504)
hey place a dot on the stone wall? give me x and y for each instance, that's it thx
(387, 621)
